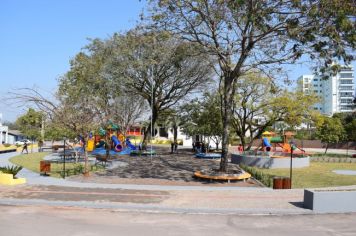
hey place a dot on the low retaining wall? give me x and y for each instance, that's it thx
(269, 163)
(330, 201)
(8, 150)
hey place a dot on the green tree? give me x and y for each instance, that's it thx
(331, 131)
(58, 132)
(259, 104)
(160, 68)
(203, 117)
(259, 35)
(30, 123)
(348, 120)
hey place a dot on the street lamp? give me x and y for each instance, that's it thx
(291, 161)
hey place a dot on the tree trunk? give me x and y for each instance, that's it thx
(85, 141)
(226, 120)
(326, 148)
(175, 133)
(108, 145)
(148, 133)
(243, 142)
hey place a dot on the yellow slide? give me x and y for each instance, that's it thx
(90, 145)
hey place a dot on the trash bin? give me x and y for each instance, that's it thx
(286, 183)
(45, 167)
(277, 182)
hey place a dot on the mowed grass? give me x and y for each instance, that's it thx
(31, 161)
(317, 175)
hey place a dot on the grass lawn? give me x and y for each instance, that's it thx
(318, 174)
(31, 161)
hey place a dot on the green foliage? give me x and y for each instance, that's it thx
(165, 71)
(7, 145)
(11, 170)
(348, 121)
(30, 123)
(331, 130)
(264, 178)
(203, 117)
(259, 104)
(57, 132)
(265, 35)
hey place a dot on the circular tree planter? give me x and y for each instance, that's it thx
(215, 174)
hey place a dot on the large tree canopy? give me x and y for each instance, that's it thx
(259, 35)
(159, 68)
(259, 103)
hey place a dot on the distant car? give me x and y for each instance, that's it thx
(22, 142)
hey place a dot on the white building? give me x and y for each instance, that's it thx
(336, 93)
(4, 132)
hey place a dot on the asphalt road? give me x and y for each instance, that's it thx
(44, 220)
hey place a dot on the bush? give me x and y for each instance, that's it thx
(330, 155)
(7, 145)
(11, 170)
(265, 179)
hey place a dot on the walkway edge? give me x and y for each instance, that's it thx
(148, 208)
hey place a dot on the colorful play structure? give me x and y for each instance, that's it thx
(110, 137)
(271, 142)
(273, 152)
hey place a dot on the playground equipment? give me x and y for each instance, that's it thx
(117, 143)
(270, 160)
(208, 155)
(269, 139)
(112, 137)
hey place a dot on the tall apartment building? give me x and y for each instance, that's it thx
(336, 93)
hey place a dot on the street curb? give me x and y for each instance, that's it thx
(149, 208)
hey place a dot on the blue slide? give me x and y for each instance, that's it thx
(130, 145)
(266, 144)
(117, 144)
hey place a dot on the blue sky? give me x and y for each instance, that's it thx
(39, 37)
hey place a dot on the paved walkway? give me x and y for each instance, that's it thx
(41, 190)
(50, 191)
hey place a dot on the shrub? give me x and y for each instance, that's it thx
(326, 155)
(264, 178)
(7, 145)
(11, 170)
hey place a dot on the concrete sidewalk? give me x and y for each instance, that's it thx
(220, 201)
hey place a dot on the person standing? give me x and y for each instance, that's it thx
(25, 146)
